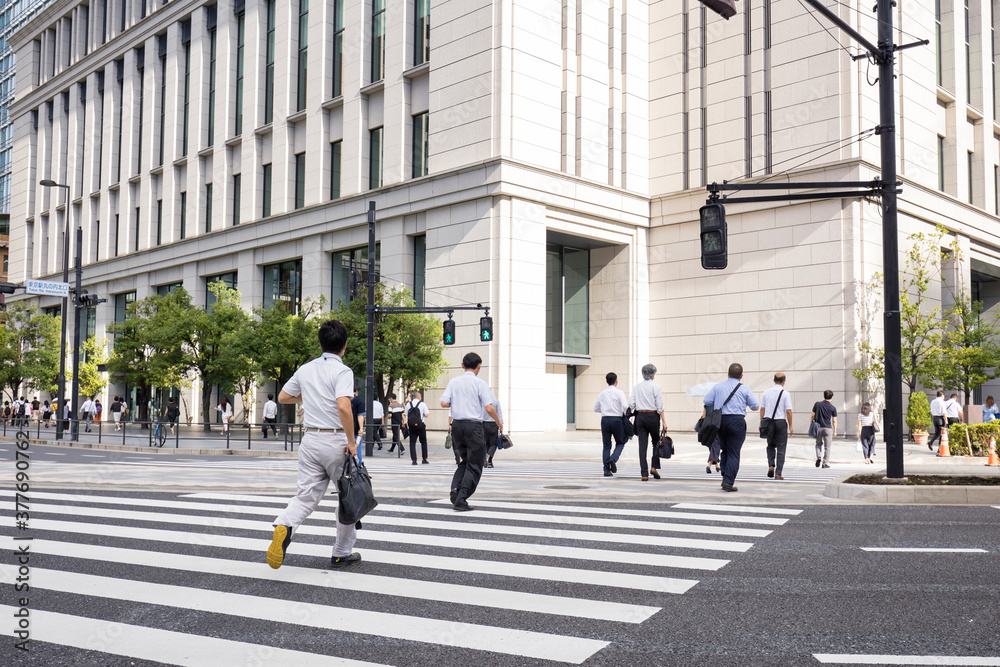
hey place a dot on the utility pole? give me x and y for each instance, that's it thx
(370, 312)
(78, 299)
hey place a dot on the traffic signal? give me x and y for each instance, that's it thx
(449, 332)
(8, 288)
(713, 237)
(486, 329)
(724, 8)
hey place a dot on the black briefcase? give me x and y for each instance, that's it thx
(665, 448)
(354, 491)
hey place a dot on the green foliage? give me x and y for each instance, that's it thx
(871, 371)
(29, 348)
(408, 347)
(236, 359)
(281, 342)
(979, 436)
(968, 355)
(918, 413)
(92, 381)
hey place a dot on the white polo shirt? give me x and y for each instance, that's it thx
(320, 383)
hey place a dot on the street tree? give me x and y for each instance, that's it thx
(29, 348)
(969, 354)
(235, 362)
(283, 341)
(92, 381)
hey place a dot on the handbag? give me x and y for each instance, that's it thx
(857, 445)
(406, 431)
(447, 441)
(627, 424)
(713, 422)
(665, 448)
(354, 492)
(381, 432)
(767, 423)
(874, 426)
(504, 442)
(813, 429)
(697, 424)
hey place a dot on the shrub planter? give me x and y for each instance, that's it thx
(921, 438)
(956, 489)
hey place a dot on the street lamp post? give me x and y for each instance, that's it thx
(61, 391)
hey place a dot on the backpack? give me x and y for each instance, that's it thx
(413, 416)
(22, 410)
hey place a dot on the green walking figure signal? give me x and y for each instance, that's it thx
(449, 332)
(486, 329)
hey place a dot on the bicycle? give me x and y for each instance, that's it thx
(159, 435)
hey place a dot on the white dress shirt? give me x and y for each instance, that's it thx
(378, 410)
(768, 398)
(937, 407)
(320, 383)
(952, 409)
(270, 410)
(468, 396)
(647, 395)
(496, 406)
(611, 402)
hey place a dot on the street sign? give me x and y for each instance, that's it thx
(48, 288)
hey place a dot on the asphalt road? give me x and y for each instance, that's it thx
(180, 580)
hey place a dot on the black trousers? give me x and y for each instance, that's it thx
(271, 421)
(777, 442)
(939, 423)
(418, 431)
(647, 426)
(731, 437)
(470, 446)
(490, 433)
(376, 432)
(395, 438)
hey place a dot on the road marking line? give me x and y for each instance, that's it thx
(926, 550)
(526, 643)
(353, 581)
(165, 646)
(98, 456)
(736, 508)
(847, 659)
(53, 454)
(424, 539)
(459, 526)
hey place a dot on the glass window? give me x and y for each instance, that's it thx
(187, 98)
(940, 148)
(213, 43)
(419, 269)
(971, 166)
(344, 263)
(135, 230)
(567, 300)
(119, 67)
(938, 40)
(122, 302)
(159, 221)
(378, 40)
(266, 203)
(421, 31)
(163, 102)
(338, 47)
(303, 54)
(170, 288)
(141, 69)
(300, 180)
(335, 148)
(269, 66)
(420, 145)
(228, 279)
(237, 197)
(283, 284)
(240, 50)
(208, 207)
(375, 158)
(184, 211)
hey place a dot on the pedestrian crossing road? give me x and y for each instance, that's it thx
(136, 579)
(576, 470)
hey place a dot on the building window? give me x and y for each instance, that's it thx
(419, 269)
(187, 97)
(269, 66)
(335, 148)
(213, 43)
(375, 158)
(159, 222)
(938, 42)
(122, 303)
(300, 86)
(350, 270)
(421, 31)
(164, 290)
(567, 300)
(968, 56)
(283, 285)
(240, 51)
(140, 65)
(237, 197)
(940, 161)
(135, 231)
(119, 73)
(420, 145)
(378, 40)
(300, 180)
(338, 47)
(184, 215)
(970, 166)
(162, 46)
(266, 203)
(208, 207)
(227, 279)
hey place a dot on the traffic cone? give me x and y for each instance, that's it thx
(994, 460)
(944, 449)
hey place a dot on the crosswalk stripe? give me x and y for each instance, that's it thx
(526, 643)
(737, 508)
(353, 581)
(499, 568)
(855, 659)
(415, 509)
(166, 646)
(581, 553)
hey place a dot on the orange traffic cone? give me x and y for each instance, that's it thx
(994, 460)
(944, 449)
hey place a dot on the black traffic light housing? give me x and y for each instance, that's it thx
(724, 8)
(713, 237)
(9, 288)
(486, 329)
(449, 331)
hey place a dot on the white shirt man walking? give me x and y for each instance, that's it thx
(87, 412)
(938, 419)
(468, 396)
(270, 416)
(776, 404)
(324, 386)
(612, 404)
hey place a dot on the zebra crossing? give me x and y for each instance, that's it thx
(181, 578)
(576, 470)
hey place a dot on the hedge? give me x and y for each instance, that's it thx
(979, 435)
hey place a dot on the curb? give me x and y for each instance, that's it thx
(905, 494)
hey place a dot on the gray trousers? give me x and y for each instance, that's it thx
(321, 459)
(824, 442)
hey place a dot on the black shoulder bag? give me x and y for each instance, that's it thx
(710, 427)
(354, 491)
(767, 423)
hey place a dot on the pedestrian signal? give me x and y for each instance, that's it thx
(449, 332)
(486, 329)
(713, 237)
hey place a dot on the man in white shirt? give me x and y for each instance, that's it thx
(953, 410)
(612, 404)
(324, 386)
(937, 418)
(378, 416)
(416, 414)
(87, 412)
(647, 402)
(270, 416)
(467, 396)
(776, 404)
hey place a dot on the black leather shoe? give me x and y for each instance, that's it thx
(729, 487)
(453, 496)
(489, 464)
(358, 526)
(426, 461)
(345, 561)
(818, 462)
(462, 507)
(770, 472)
(708, 469)
(607, 473)
(614, 467)
(826, 465)
(414, 463)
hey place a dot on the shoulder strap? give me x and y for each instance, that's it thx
(777, 402)
(738, 385)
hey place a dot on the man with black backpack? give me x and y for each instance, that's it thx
(733, 398)
(416, 410)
